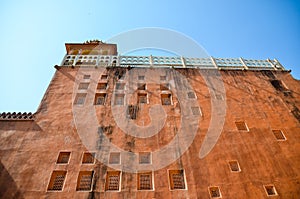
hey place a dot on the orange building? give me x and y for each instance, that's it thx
(114, 126)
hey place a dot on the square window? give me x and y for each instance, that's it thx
(145, 158)
(119, 99)
(57, 180)
(191, 95)
(234, 166)
(83, 86)
(270, 190)
(80, 98)
(86, 76)
(214, 192)
(176, 178)
(141, 77)
(104, 77)
(196, 110)
(88, 158)
(165, 87)
(114, 158)
(141, 86)
(112, 181)
(144, 181)
(279, 135)
(142, 98)
(102, 86)
(63, 158)
(163, 78)
(120, 86)
(84, 181)
(100, 99)
(241, 126)
(166, 99)
(219, 96)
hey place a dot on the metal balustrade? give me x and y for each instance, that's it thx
(175, 62)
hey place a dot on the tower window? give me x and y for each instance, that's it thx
(164, 87)
(142, 98)
(196, 110)
(241, 126)
(163, 78)
(112, 181)
(145, 158)
(86, 76)
(63, 158)
(114, 158)
(166, 99)
(144, 181)
(83, 86)
(80, 98)
(100, 99)
(84, 180)
(191, 95)
(176, 179)
(234, 166)
(270, 190)
(132, 111)
(57, 180)
(279, 135)
(88, 158)
(141, 86)
(120, 86)
(102, 86)
(141, 77)
(119, 99)
(214, 192)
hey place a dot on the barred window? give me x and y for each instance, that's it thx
(234, 166)
(57, 180)
(176, 179)
(84, 180)
(63, 158)
(166, 99)
(112, 181)
(88, 158)
(214, 192)
(144, 181)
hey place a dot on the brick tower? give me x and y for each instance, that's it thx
(114, 126)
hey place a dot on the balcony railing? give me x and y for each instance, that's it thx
(174, 62)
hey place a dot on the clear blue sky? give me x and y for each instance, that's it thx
(33, 34)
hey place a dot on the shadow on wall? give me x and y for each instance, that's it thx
(19, 126)
(8, 187)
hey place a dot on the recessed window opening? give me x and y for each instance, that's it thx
(114, 158)
(163, 78)
(80, 98)
(191, 95)
(142, 98)
(164, 87)
(241, 126)
(119, 99)
(234, 166)
(270, 190)
(196, 110)
(145, 158)
(83, 86)
(112, 181)
(88, 158)
(84, 181)
(214, 192)
(120, 86)
(63, 158)
(141, 77)
(57, 180)
(141, 86)
(279, 135)
(144, 181)
(132, 111)
(86, 76)
(176, 179)
(102, 86)
(100, 99)
(278, 85)
(166, 99)
(104, 77)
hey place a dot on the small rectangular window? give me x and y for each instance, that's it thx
(144, 181)
(279, 135)
(163, 78)
(166, 99)
(132, 111)
(145, 158)
(141, 86)
(191, 95)
(196, 110)
(86, 76)
(112, 181)
(141, 77)
(80, 98)
(270, 190)
(57, 180)
(176, 178)
(88, 158)
(100, 99)
(142, 98)
(104, 77)
(278, 85)
(120, 86)
(119, 99)
(241, 126)
(102, 86)
(83, 86)
(234, 166)
(219, 96)
(114, 158)
(84, 181)
(63, 158)
(164, 87)
(214, 192)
